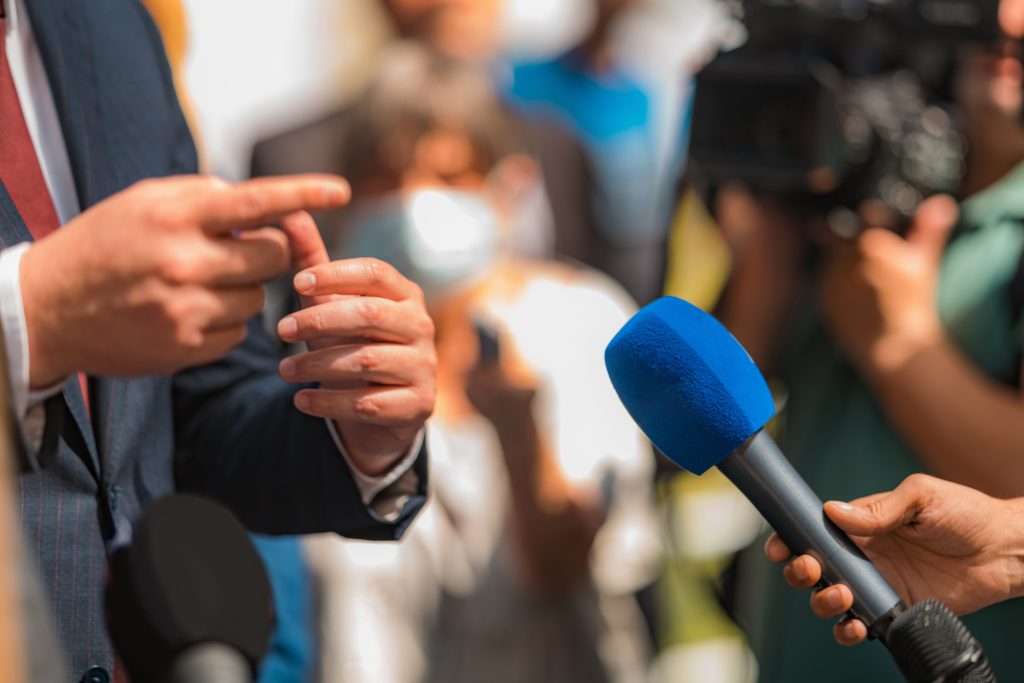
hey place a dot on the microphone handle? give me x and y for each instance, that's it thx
(210, 663)
(763, 474)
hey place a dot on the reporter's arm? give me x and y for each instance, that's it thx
(930, 539)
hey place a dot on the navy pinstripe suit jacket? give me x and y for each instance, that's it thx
(227, 430)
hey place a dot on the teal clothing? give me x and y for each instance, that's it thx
(611, 115)
(840, 440)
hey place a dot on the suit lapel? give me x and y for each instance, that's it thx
(62, 33)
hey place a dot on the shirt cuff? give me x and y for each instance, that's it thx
(27, 404)
(371, 487)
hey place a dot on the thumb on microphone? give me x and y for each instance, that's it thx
(878, 514)
(932, 226)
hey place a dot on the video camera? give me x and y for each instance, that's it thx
(832, 102)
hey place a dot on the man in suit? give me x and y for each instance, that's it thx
(136, 364)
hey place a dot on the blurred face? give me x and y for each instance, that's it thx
(461, 29)
(610, 9)
(990, 80)
(441, 159)
(435, 218)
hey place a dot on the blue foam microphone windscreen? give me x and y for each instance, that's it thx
(688, 383)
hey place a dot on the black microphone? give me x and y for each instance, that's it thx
(700, 399)
(189, 599)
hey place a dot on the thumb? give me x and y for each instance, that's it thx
(932, 226)
(307, 247)
(876, 515)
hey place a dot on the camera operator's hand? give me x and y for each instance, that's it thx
(371, 348)
(878, 293)
(503, 390)
(768, 247)
(161, 276)
(930, 539)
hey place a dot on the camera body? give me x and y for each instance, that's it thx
(833, 102)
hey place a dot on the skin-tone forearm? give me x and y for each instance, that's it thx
(756, 306)
(966, 427)
(554, 524)
(768, 273)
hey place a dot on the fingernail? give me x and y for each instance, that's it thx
(287, 367)
(288, 327)
(846, 507)
(333, 193)
(834, 599)
(800, 570)
(302, 401)
(305, 282)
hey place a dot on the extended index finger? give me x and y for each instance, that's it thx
(260, 202)
(360, 277)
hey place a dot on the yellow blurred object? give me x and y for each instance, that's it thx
(172, 22)
(12, 643)
(699, 260)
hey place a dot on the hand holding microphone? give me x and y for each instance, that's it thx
(701, 400)
(930, 539)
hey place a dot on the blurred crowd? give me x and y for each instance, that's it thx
(538, 197)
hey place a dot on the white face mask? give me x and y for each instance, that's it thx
(443, 240)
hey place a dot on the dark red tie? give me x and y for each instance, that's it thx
(19, 166)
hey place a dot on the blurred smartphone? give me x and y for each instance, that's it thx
(490, 342)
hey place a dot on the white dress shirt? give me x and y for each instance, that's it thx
(36, 98)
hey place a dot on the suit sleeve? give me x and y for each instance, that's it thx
(240, 440)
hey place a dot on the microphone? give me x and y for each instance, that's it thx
(699, 397)
(189, 599)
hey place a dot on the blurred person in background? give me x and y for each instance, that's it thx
(899, 353)
(557, 215)
(540, 524)
(590, 92)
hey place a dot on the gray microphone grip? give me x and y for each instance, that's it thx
(210, 663)
(764, 475)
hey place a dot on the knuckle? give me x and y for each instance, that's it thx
(424, 407)
(370, 360)
(174, 309)
(369, 408)
(417, 294)
(316, 321)
(375, 271)
(172, 268)
(215, 183)
(917, 482)
(426, 329)
(146, 186)
(166, 214)
(187, 337)
(250, 203)
(371, 312)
